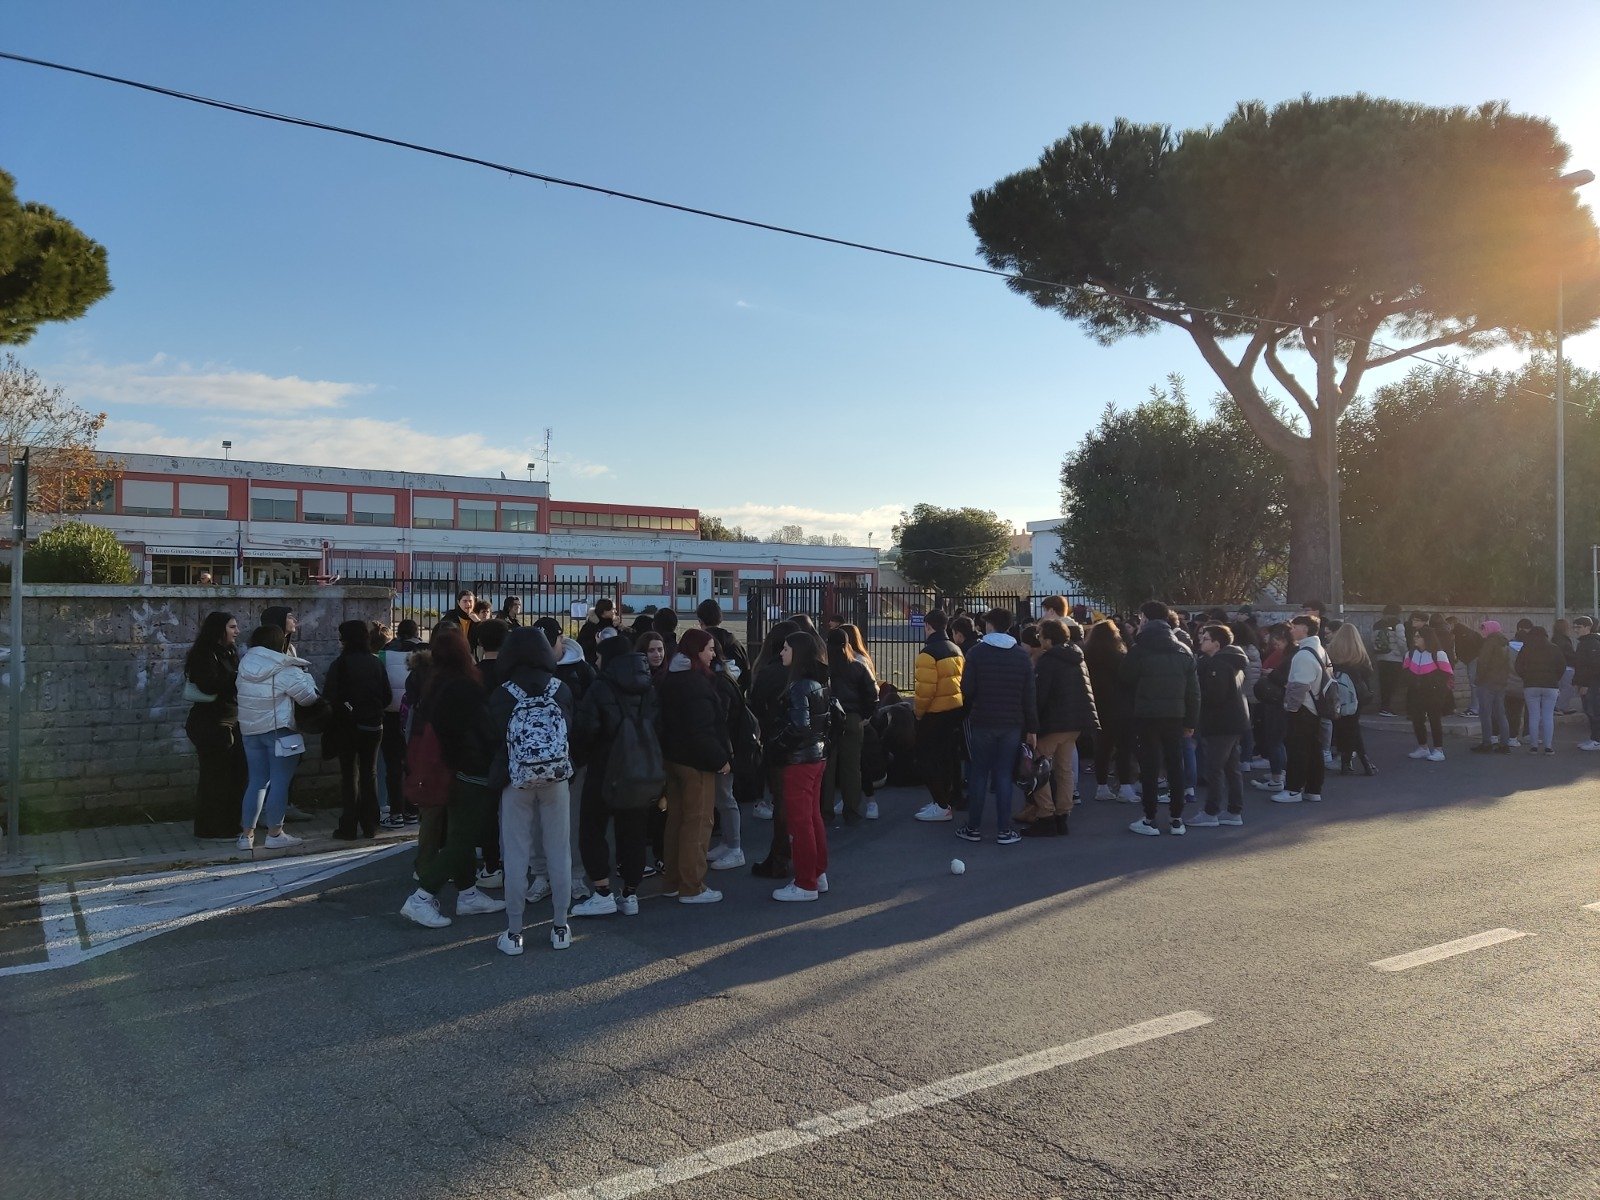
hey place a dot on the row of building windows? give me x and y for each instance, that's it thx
(150, 498)
(597, 520)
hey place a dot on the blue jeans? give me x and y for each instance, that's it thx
(1191, 764)
(270, 774)
(993, 763)
(1492, 720)
(1542, 715)
(1591, 705)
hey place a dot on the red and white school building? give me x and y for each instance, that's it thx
(282, 523)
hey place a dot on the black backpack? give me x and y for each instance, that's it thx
(749, 775)
(636, 772)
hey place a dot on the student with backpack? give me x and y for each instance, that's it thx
(530, 715)
(801, 744)
(618, 730)
(1352, 673)
(1308, 696)
(694, 742)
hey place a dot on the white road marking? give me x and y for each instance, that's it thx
(1428, 954)
(846, 1120)
(1595, 907)
(116, 913)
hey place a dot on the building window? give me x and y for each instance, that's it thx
(515, 519)
(474, 572)
(475, 514)
(689, 582)
(361, 568)
(434, 512)
(611, 575)
(325, 508)
(372, 509)
(722, 584)
(180, 570)
(145, 498)
(272, 504)
(647, 577)
(203, 499)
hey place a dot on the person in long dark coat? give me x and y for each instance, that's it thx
(212, 669)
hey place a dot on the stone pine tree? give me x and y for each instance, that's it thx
(49, 269)
(1356, 230)
(950, 550)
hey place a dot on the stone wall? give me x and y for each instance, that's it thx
(104, 711)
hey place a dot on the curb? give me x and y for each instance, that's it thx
(1453, 727)
(31, 870)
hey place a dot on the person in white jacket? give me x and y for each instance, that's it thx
(1309, 673)
(271, 683)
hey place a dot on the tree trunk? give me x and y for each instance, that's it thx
(1309, 557)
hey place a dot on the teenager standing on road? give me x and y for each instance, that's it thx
(1348, 654)
(938, 707)
(694, 742)
(1541, 665)
(210, 674)
(357, 686)
(1221, 670)
(271, 683)
(1002, 713)
(857, 692)
(1159, 673)
(1309, 675)
(801, 745)
(1494, 675)
(1430, 680)
(1103, 652)
(1066, 712)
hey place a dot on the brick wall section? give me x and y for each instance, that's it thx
(103, 715)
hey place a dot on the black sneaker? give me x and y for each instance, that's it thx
(654, 868)
(1011, 837)
(413, 818)
(968, 834)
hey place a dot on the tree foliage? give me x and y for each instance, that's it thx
(49, 269)
(715, 529)
(1355, 229)
(77, 553)
(1162, 503)
(1449, 489)
(951, 550)
(64, 470)
(789, 535)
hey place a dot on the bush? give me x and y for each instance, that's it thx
(77, 553)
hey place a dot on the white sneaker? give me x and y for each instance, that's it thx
(1258, 764)
(1176, 827)
(491, 879)
(538, 889)
(871, 811)
(1231, 819)
(1589, 745)
(822, 882)
(1436, 755)
(509, 943)
(1313, 798)
(1104, 792)
(1127, 795)
(727, 861)
(280, 841)
(1514, 743)
(596, 906)
(1287, 797)
(628, 906)
(1272, 783)
(247, 841)
(472, 902)
(793, 893)
(933, 812)
(580, 893)
(709, 896)
(1203, 820)
(424, 910)
(1144, 827)
(762, 811)
(1421, 752)
(560, 937)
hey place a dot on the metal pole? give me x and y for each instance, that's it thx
(19, 535)
(1561, 450)
(1594, 578)
(1335, 548)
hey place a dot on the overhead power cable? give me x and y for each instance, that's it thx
(1177, 309)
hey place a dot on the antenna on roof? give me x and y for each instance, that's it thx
(543, 457)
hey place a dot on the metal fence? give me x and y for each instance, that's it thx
(424, 598)
(890, 620)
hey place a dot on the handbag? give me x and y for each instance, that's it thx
(289, 745)
(193, 694)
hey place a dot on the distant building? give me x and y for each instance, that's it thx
(1046, 542)
(279, 524)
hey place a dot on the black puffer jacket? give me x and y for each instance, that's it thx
(803, 736)
(216, 673)
(997, 685)
(1113, 702)
(694, 719)
(527, 661)
(623, 691)
(766, 696)
(359, 679)
(1066, 700)
(854, 687)
(1223, 707)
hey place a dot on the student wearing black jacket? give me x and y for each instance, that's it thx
(1224, 720)
(453, 707)
(695, 744)
(212, 668)
(769, 679)
(1541, 664)
(1065, 700)
(857, 692)
(357, 689)
(534, 820)
(801, 745)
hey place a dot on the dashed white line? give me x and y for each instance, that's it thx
(845, 1120)
(1595, 907)
(1465, 945)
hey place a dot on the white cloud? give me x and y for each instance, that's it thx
(163, 383)
(762, 519)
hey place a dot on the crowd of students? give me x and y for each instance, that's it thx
(544, 766)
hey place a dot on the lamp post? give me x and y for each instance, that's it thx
(227, 447)
(1572, 179)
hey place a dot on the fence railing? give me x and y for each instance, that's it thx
(890, 620)
(424, 599)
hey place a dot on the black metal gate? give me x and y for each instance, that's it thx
(424, 599)
(890, 621)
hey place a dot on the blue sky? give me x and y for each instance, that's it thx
(317, 299)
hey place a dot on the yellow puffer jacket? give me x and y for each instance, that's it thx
(938, 688)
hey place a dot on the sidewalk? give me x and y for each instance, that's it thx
(162, 846)
(1456, 726)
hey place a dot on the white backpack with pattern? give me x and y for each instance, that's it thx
(536, 737)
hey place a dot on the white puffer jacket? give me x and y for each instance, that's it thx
(270, 685)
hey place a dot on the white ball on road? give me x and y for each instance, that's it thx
(957, 867)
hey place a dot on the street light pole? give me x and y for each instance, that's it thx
(1572, 179)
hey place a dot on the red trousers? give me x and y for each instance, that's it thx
(802, 811)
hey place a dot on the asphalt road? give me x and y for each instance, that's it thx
(319, 1046)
